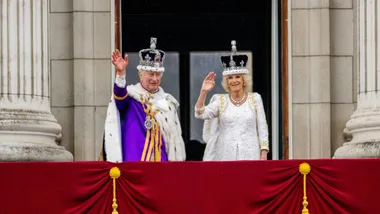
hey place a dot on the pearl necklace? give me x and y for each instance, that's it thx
(237, 103)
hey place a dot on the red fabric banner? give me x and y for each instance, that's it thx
(332, 186)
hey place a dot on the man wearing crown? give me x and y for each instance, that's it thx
(142, 122)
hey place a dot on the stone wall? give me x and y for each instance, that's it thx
(343, 67)
(311, 71)
(81, 72)
(324, 78)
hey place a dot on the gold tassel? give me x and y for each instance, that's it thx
(157, 150)
(114, 174)
(304, 169)
(152, 136)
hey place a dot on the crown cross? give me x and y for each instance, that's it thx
(153, 42)
(242, 63)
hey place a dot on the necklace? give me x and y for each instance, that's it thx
(237, 103)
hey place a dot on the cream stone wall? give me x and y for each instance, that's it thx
(81, 72)
(324, 75)
(343, 67)
(311, 80)
(61, 68)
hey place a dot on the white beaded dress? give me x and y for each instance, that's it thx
(234, 132)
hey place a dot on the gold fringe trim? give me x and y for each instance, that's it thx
(304, 169)
(114, 174)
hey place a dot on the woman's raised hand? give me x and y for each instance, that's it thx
(209, 82)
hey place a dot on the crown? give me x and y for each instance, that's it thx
(234, 63)
(152, 59)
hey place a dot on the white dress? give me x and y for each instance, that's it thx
(234, 132)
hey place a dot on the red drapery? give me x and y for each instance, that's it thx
(333, 186)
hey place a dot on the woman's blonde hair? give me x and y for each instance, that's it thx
(247, 83)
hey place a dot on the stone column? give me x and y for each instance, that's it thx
(28, 130)
(364, 124)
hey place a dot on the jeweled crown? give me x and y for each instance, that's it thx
(152, 59)
(234, 63)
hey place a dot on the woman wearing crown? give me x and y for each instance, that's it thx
(235, 125)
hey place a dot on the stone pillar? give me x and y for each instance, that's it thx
(364, 124)
(28, 130)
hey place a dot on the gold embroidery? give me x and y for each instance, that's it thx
(222, 104)
(120, 98)
(264, 145)
(200, 111)
(253, 101)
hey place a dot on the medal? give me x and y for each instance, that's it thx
(148, 123)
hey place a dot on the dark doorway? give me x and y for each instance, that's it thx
(194, 25)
